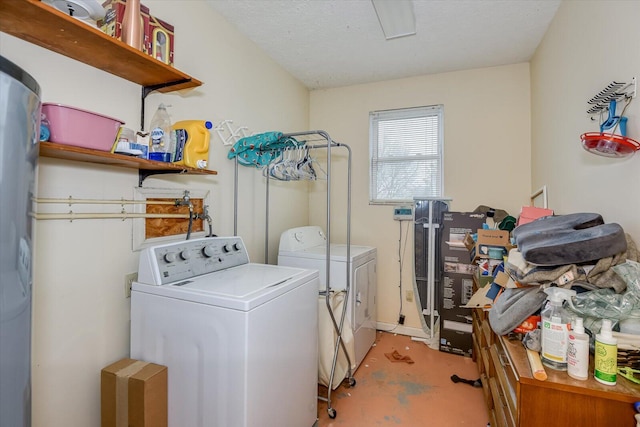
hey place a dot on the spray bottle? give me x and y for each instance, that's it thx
(555, 329)
(606, 355)
(578, 352)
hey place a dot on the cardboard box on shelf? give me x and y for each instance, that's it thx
(455, 226)
(531, 213)
(488, 244)
(111, 24)
(493, 237)
(161, 38)
(483, 279)
(480, 299)
(134, 394)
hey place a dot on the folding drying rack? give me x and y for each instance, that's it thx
(326, 143)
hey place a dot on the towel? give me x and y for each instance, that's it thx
(261, 149)
(397, 357)
(513, 307)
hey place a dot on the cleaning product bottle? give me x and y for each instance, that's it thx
(160, 147)
(578, 352)
(555, 329)
(192, 143)
(606, 355)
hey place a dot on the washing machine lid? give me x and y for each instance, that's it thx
(241, 288)
(338, 252)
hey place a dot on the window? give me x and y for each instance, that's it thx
(405, 154)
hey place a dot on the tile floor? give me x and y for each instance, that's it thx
(402, 394)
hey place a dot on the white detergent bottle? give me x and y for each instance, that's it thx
(606, 355)
(555, 329)
(578, 351)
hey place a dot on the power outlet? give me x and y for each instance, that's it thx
(128, 282)
(409, 296)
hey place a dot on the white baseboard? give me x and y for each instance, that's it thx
(402, 330)
(419, 334)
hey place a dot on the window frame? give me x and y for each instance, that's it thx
(404, 113)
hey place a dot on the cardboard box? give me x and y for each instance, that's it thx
(161, 39)
(489, 244)
(456, 338)
(493, 237)
(480, 299)
(483, 280)
(531, 213)
(111, 24)
(455, 226)
(134, 394)
(457, 290)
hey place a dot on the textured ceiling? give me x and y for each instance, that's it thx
(330, 43)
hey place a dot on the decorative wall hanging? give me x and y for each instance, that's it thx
(610, 143)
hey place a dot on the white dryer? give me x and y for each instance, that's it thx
(306, 247)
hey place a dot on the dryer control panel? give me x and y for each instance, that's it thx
(172, 262)
(301, 238)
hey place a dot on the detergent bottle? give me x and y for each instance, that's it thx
(192, 143)
(555, 329)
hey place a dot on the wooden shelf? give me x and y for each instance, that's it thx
(146, 167)
(45, 26)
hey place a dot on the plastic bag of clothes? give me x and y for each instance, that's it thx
(606, 304)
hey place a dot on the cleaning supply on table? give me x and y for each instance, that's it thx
(555, 328)
(606, 355)
(192, 143)
(578, 351)
(536, 365)
(160, 145)
(531, 342)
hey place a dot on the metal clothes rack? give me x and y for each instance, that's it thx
(338, 326)
(614, 91)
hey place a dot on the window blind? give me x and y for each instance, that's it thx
(405, 154)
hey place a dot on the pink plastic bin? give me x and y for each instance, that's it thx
(73, 126)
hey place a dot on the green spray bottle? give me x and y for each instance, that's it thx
(555, 328)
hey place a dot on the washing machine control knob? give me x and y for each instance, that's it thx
(237, 246)
(185, 255)
(227, 248)
(208, 251)
(170, 257)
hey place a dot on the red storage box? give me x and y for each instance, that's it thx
(73, 126)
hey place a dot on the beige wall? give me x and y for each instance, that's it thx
(506, 133)
(81, 315)
(581, 53)
(486, 158)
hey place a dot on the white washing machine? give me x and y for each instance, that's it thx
(239, 339)
(306, 247)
